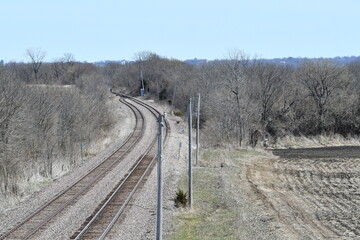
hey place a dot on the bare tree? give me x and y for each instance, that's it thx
(322, 79)
(269, 80)
(44, 105)
(10, 104)
(234, 72)
(61, 67)
(36, 60)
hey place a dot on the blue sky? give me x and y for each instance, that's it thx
(95, 30)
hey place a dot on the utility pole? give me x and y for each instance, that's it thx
(197, 130)
(142, 90)
(190, 157)
(81, 150)
(173, 98)
(142, 79)
(159, 182)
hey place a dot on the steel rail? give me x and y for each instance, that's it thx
(167, 124)
(83, 233)
(83, 189)
(115, 192)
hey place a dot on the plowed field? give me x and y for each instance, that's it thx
(312, 193)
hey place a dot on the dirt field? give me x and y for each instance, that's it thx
(312, 193)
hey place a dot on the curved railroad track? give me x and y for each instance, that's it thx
(111, 210)
(38, 220)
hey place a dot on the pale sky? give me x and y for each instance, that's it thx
(94, 30)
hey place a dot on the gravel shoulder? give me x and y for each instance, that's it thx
(140, 221)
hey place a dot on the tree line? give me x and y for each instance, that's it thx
(49, 109)
(246, 99)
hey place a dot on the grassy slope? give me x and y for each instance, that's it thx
(222, 205)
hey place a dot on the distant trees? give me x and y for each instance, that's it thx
(243, 96)
(62, 69)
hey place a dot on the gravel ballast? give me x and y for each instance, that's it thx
(140, 221)
(69, 220)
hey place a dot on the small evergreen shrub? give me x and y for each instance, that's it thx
(181, 199)
(178, 114)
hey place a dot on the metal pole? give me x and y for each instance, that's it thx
(159, 182)
(197, 130)
(142, 79)
(81, 150)
(173, 98)
(190, 153)
(142, 90)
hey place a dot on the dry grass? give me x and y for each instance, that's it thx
(221, 208)
(31, 181)
(316, 141)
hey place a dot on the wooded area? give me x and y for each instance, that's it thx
(246, 100)
(48, 109)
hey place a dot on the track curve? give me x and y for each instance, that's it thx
(38, 220)
(100, 223)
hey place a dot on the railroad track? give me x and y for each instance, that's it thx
(110, 211)
(38, 220)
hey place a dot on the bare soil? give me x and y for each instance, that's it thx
(320, 152)
(311, 193)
